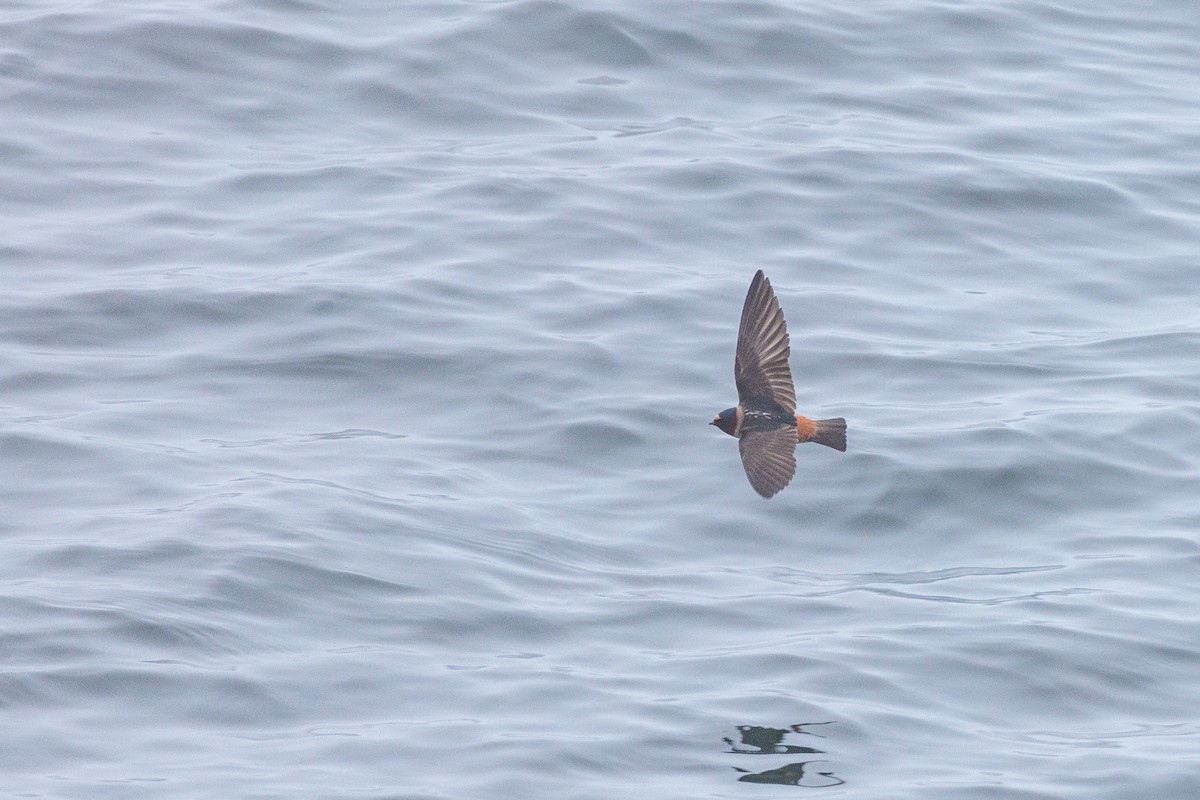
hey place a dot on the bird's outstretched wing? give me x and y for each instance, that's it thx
(769, 458)
(761, 367)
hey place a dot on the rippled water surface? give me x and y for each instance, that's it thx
(356, 360)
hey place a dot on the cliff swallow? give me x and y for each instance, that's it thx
(765, 419)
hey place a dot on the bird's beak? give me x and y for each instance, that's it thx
(714, 422)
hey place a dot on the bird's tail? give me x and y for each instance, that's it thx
(830, 432)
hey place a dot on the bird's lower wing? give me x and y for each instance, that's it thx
(769, 458)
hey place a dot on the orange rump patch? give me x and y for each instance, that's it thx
(806, 429)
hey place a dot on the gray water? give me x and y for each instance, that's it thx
(356, 360)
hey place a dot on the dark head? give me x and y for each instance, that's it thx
(726, 421)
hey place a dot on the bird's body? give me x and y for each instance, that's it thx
(765, 421)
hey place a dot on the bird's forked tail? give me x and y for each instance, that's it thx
(829, 432)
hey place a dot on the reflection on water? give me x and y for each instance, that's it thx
(757, 740)
(792, 775)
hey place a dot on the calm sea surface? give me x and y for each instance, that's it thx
(356, 360)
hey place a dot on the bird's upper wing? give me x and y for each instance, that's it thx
(769, 458)
(761, 366)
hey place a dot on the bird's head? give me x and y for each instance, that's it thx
(726, 421)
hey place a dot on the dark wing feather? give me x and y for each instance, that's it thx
(769, 458)
(761, 367)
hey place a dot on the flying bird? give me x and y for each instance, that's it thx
(765, 419)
